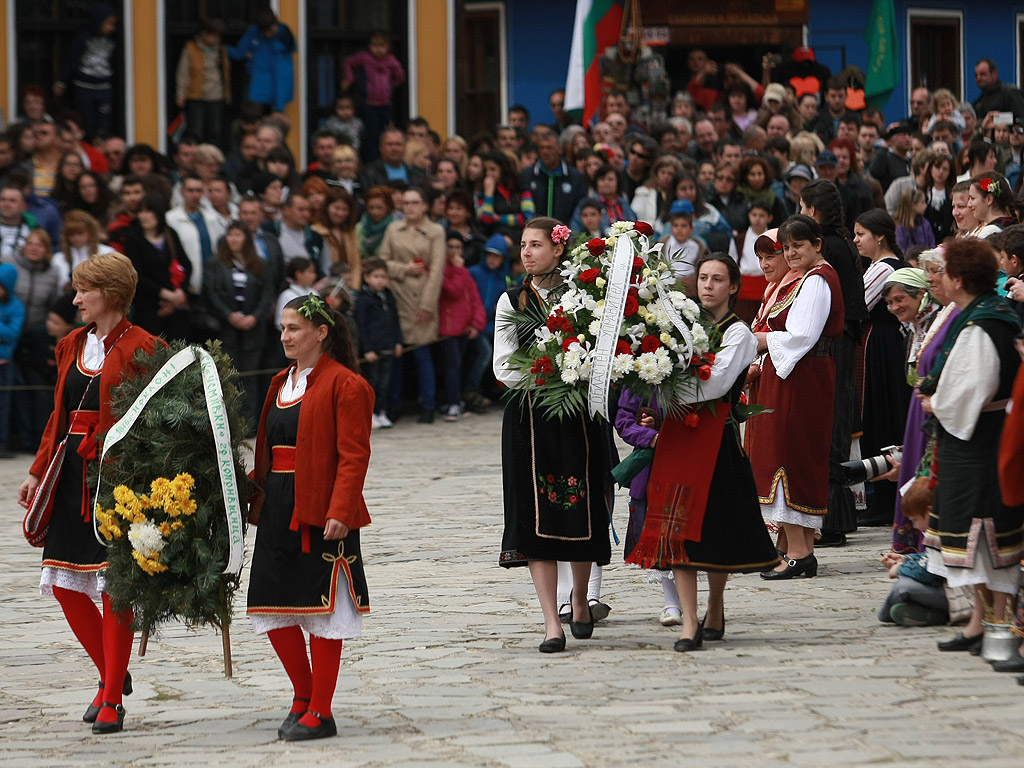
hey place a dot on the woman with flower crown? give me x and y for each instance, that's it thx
(990, 198)
(90, 362)
(312, 451)
(555, 473)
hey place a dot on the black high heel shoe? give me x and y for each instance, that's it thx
(713, 634)
(113, 727)
(93, 710)
(805, 566)
(694, 643)
(583, 630)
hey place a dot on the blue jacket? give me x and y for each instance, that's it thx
(12, 313)
(491, 283)
(269, 64)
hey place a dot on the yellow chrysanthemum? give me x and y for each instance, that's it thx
(165, 529)
(148, 565)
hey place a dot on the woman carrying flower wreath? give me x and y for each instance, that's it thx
(90, 362)
(312, 451)
(991, 200)
(555, 473)
(790, 456)
(699, 458)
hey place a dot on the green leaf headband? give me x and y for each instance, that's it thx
(314, 305)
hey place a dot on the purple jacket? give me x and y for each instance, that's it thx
(921, 235)
(635, 435)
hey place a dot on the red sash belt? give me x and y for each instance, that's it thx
(84, 423)
(282, 458)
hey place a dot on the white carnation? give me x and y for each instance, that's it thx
(146, 538)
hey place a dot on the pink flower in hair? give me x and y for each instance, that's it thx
(560, 233)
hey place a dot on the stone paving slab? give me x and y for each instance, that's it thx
(447, 672)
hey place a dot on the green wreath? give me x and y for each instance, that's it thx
(163, 475)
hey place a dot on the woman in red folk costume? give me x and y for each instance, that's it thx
(312, 451)
(90, 361)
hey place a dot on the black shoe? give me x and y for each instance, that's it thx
(962, 643)
(93, 710)
(975, 650)
(300, 732)
(118, 725)
(1015, 664)
(552, 645)
(694, 643)
(599, 610)
(831, 539)
(126, 687)
(426, 417)
(583, 630)
(805, 566)
(291, 719)
(713, 634)
(1020, 680)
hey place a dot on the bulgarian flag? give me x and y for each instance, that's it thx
(596, 28)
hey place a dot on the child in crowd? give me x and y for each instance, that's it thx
(590, 218)
(682, 246)
(12, 317)
(380, 335)
(346, 127)
(918, 598)
(912, 228)
(461, 319)
(754, 284)
(373, 75)
(460, 220)
(492, 280)
(301, 274)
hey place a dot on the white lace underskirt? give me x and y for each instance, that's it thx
(90, 583)
(777, 512)
(1005, 580)
(345, 623)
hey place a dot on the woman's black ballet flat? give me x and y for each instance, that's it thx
(113, 727)
(805, 566)
(962, 642)
(300, 732)
(552, 645)
(694, 643)
(583, 630)
(713, 634)
(291, 718)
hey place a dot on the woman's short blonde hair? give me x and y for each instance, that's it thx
(113, 275)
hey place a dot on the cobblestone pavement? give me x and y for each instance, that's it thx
(447, 672)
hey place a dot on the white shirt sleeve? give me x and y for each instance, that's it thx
(874, 280)
(969, 380)
(739, 348)
(804, 325)
(505, 342)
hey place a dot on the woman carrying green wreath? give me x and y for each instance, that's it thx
(312, 451)
(90, 362)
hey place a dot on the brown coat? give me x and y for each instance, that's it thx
(403, 244)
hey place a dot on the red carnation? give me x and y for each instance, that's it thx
(643, 228)
(540, 382)
(638, 263)
(650, 343)
(632, 306)
(566, 343)
(622, 347)
(704, 372)
(596, 246)
(589, 275)
(691, 420)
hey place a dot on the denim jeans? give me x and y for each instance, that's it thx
(378, 375)
(424, 363)
(480, 351)
(453, 348)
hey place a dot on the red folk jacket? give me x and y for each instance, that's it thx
(332, 451)
(118, 362)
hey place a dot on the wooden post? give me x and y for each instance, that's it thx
(226, 642)
(143, 642)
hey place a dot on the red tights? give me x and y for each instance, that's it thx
(314, 681)
(107, 639)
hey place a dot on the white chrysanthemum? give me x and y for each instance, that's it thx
(621, 365)
(570, 376)
(701, 343)
(573, 358)
(648, 368)
(620, 227)
(664, 361)
(598, 309)
(594, 327)
(146, 538)
(660, 317)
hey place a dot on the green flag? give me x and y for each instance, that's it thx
(882, 71)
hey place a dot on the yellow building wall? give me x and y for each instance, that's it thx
(148, 70)
(288, 14)
(432, 64)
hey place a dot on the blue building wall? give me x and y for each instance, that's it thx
(539, 36)
(989, 31)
